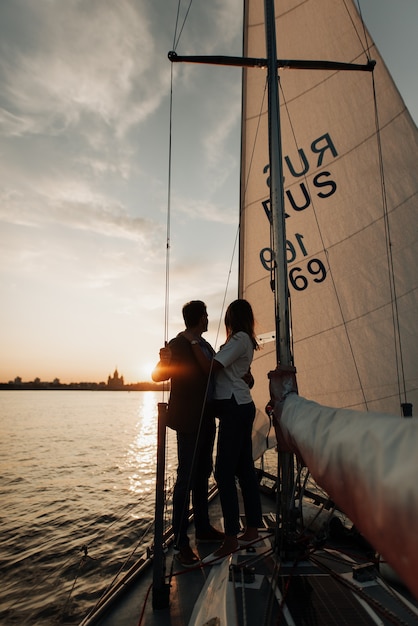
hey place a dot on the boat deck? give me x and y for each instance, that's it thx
(252, 588)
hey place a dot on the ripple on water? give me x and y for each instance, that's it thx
(77, 497)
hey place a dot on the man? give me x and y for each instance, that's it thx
(191, 415)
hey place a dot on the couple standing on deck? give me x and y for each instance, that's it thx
(205, 385)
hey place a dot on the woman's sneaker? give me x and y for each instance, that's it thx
(185, 556)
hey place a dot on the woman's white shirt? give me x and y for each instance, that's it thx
(236, 357)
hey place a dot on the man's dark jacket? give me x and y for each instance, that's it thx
(188, 387)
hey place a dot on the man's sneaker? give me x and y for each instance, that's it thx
(186, 556)
(209, 536)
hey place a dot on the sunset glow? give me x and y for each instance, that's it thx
(84, 125)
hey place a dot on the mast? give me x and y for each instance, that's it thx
(283, 353)
(285, 469)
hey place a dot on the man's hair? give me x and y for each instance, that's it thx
(193, 311)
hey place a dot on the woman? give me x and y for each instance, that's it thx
(236, 412)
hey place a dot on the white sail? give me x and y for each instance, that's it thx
(352, 246)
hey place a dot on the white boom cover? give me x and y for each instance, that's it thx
(352, 250)
(367, 463)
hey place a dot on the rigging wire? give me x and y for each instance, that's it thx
(364, 38)
(391, 272)
(168, 224)
(176, 39)
(168, 221)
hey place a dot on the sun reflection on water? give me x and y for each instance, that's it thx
(142, 450)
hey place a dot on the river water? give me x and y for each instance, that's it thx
(77, 484)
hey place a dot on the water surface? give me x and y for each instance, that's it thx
(77, 481)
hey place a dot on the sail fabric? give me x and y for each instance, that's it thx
(367, 465)
(339, 227)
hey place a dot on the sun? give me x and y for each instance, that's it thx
(145, 370)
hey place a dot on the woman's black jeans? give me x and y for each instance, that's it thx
(235, 459)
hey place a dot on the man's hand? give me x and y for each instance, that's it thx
(165, 355)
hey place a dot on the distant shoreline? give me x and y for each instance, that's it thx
(56, 386)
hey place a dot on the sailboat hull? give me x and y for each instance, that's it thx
(350, 199)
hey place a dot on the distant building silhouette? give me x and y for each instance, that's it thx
(115, 381)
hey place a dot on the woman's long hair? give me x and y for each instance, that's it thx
(239, 317)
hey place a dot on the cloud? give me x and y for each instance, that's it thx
(76, 207)
(84, 93)
(79, 79)
(217, 141)
(81, 60)
(198, 209)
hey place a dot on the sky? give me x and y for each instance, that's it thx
(85, 206)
